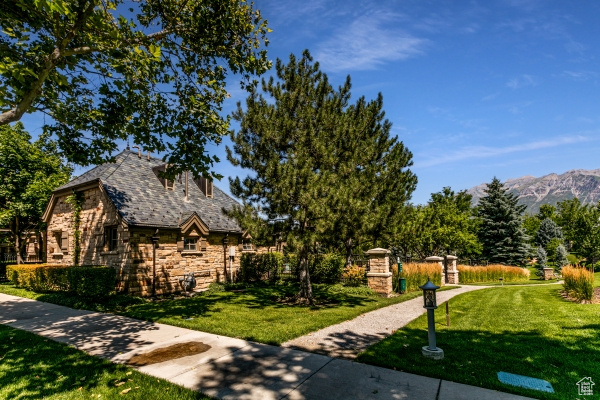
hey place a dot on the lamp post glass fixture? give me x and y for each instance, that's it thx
(430, 303)
(225, 243)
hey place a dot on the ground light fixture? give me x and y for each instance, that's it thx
(429, 296)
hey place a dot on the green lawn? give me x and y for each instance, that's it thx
(32, 367)
(260, 313)
(529, 330)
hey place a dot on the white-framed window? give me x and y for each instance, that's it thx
(190, 244)
(247, 246)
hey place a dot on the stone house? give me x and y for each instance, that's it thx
(125, 205)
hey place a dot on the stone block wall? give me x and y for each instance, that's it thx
(132, 258)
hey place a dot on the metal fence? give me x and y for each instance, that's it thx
(11, 258)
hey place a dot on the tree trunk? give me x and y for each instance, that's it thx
(305, 286)
(17, 235)
(349, 247)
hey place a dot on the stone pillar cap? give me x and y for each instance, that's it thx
(434, 258)
(378, 250)
(449, 257)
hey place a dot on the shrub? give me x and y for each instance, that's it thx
(354, 276)
(85, 281)
(322, 268)
(260, 267)
(416, 274)
(327, 268)
(579, 282)
(491, 273)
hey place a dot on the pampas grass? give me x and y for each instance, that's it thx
(416, 275)
(579, 282)
(492, 273)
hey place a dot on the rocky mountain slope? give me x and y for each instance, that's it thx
(550, 189)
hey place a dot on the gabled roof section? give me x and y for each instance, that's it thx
(194, 221)
(142, 200)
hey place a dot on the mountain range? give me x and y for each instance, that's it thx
(550, 189)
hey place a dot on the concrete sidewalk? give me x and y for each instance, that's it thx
(230, 368)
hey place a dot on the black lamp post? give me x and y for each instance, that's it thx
(429, 297)
(154, 239)
(225, 243)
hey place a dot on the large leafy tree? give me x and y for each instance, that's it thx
(586, 232)
(29, 172)
(150, 70)
(317, 160)
(501, 231)
(449, 226)
(568, 212)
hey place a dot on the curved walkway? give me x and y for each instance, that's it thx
(347, 339)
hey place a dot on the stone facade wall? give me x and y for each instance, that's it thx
(133, 254)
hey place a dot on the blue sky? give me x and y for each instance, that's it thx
(473, 89)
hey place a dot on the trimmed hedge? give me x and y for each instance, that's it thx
(85, 281)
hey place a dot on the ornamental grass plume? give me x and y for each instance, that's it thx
(416, 274)
(579, 282)
(492, 273)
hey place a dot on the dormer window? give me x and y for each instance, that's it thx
(159, 171)
(206, 185)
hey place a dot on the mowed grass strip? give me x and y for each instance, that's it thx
(263, 314)
(529, 331)
(32, 367)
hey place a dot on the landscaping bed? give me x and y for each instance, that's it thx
(33, 367)
(529, 331)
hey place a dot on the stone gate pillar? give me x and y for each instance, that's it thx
(440, 261)
(379, 278)
(452, 270)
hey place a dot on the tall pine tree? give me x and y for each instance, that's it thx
(326, 168)
(501, 231)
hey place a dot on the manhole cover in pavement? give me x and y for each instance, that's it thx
(172, 352)
(525, 382)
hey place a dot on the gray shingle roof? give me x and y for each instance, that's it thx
(142, 200)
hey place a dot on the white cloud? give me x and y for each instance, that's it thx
(522, 81)
(472, 152)
(368, 42)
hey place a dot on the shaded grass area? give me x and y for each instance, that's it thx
(529, 331)
(263, 314)
(32, 367)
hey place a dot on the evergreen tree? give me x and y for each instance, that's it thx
(501, 231)
(548, 230)
(328, 170)
(542, 258)
(561, 257)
